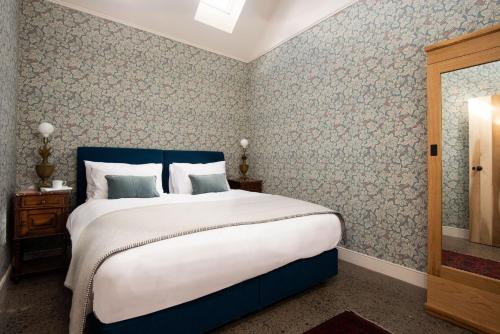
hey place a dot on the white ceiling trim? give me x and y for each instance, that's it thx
(203, 47)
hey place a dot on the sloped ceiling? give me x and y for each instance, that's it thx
(263, 24)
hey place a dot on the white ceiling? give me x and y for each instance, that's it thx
(263, 24)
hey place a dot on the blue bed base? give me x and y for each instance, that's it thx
(212, 311)
(206, 313)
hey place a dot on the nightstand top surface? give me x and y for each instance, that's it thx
(234, 179)
(32, 192)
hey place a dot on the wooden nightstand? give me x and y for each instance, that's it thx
(246, 184)
(40, 218)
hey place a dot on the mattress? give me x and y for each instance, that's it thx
(174, 271)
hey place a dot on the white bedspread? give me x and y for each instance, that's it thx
(167, 273)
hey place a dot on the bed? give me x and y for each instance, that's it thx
(222, 275)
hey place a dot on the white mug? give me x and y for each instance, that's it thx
(58, 184)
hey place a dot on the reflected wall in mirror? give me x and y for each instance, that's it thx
(471, 169)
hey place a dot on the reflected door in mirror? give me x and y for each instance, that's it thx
(484, 169)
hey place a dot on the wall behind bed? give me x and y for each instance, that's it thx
(105, 84)
(338, 117)
(8, 78)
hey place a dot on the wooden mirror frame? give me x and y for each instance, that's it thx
(465, 298)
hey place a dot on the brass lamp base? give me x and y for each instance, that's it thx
(44, 172)
(244, 166)
(244, 170)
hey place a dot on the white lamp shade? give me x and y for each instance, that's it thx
(45, 129)
(244, 143)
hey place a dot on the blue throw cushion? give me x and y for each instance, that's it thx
(127, 186)
(213, 183)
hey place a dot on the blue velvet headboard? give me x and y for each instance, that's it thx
(136, 156)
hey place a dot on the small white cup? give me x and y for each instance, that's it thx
(58, 184)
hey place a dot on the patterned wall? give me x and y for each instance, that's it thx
(8, 77)
(458, 87)
(105, 84)
(338, 117)
(335, 116)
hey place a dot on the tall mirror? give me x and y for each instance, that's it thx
(471, 169)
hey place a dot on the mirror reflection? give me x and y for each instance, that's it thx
(471, 169)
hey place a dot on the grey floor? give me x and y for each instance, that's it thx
(41, 305)
(464, 246)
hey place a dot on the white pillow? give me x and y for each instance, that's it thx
(179, 174)
(88, 168)
(97, 186)
(170, 185)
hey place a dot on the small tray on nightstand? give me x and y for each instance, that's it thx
(55, 190)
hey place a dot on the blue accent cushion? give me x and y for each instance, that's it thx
(213, 183)
(130, 186)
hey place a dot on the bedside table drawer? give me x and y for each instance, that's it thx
(40, 222)
(43, 200)
(246, 184)
(255, 187)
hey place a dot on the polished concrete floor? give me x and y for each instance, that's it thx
(464, 246)
(41, 304)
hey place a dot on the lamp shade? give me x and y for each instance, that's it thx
(45, 129)
(244, 143)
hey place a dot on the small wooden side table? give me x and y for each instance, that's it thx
(246, 184)
(39, 218)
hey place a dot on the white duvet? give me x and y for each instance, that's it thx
(170, 272)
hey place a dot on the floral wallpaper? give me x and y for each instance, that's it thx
(106, 84)
(335, 116)
(457, 88)
(8, 77)
(338, 117)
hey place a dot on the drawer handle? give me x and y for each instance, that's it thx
(44, 201)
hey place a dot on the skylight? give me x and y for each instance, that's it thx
(220, 14)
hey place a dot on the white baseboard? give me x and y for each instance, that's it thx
(3, 280)
(393, 270)
(455, 232)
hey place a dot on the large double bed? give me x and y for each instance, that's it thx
(206, 260)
